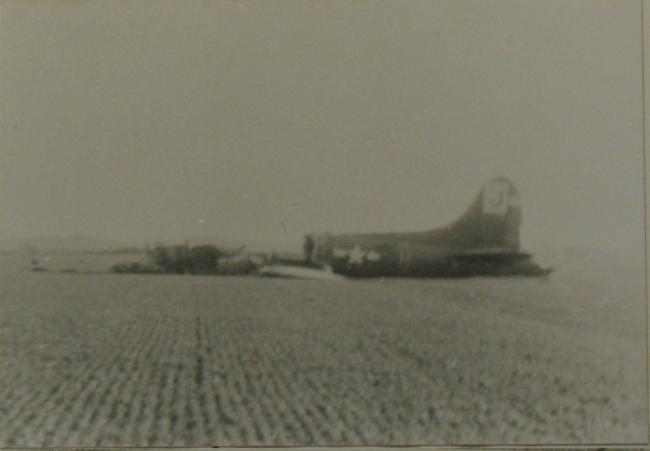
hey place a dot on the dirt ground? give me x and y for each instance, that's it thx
(149, 360)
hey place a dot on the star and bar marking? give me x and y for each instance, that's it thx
(356, 255)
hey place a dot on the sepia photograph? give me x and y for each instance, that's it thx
(322, 223)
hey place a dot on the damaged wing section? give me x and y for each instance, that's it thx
(299, 272)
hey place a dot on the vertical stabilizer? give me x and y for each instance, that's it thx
(493, 219)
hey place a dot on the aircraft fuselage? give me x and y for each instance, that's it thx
(484, 241)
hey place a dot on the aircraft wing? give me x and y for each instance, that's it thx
(298, 272)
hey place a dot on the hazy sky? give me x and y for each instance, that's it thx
(141, 120)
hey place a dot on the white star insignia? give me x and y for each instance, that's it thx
(357, 255)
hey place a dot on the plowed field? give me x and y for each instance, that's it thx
(147, 360)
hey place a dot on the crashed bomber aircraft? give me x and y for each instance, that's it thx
(483, 241)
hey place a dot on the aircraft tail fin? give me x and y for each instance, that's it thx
(492, 221)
